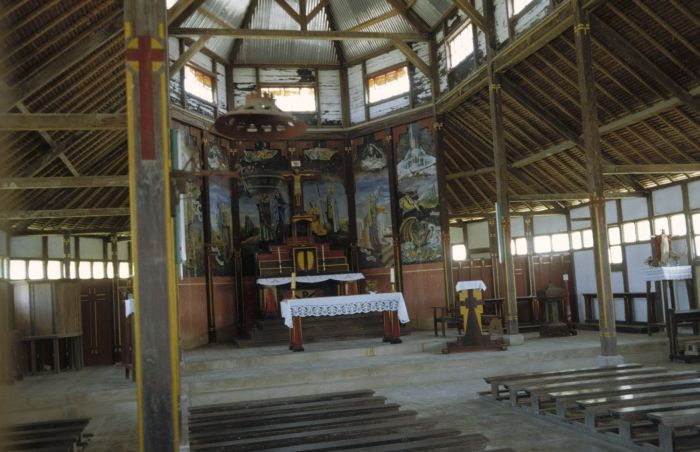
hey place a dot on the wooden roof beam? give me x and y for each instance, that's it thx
(579, 196)
(653, 168)
(611, 39)
(188, 55)
(298, 34)
(317, 9)
(10, 96)
(181, 10)
(411, 16)
(374, 20)
(14, 215)
(40, 183)
(413, 57)
(290, 11)
(472, 13)
(247, 19)
(342, 58)
(13, 122)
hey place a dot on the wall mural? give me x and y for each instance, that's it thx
(419, 215)
(324, 194)
(373, 205)
(220, 211)
(191, 209)
(264, 209)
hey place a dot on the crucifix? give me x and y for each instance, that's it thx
(297, 175)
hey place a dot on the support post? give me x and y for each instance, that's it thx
(594, 176)
(156, 351)
(118, 310)
(500, 163)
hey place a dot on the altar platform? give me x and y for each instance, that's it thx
(414, 374)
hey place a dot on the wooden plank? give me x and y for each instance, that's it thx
(413, 57)
(656, 168)
(12, 122)
(570, 196)
(63, 213)
(472, 13)
(188, 54)
(31, 183)
(298, 34)
(198, 434)
(463, 443)
(86, 45)
(640, 412)
(615, 42)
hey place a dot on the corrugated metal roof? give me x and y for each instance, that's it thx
(432, 10)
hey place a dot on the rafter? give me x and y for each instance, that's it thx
(317, 9)
(374, 20)
(297, 34)
(413, 57)
(247, 18)
(410, 15)
(15, 215)
(62, 121)
(188, 55)
(653, 168)
(10, 96)
(618, 44)
(32, 183)
(337, 44)
(290, 11)
(472, 13)
(576, 196)
(181, 10)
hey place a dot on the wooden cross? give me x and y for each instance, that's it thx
(146, 56)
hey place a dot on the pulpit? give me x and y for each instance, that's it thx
(471, 305)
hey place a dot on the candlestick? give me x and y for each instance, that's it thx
(392, 276)
(323, 257)
(294, 280)
(279, 258)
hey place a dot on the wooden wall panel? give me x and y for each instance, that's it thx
(97, 321)
(192, 310)
(423, 287)
(475, 269)
(225, 307)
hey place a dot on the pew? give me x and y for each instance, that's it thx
(628, 417)
(670, 422)
(58, 435)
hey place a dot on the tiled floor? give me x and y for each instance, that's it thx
(413, 374)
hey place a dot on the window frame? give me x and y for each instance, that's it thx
(384, 71)
(209, 74)
(453, 34)
(313, 86)
(514, 16)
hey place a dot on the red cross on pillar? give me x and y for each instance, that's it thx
(148, 59)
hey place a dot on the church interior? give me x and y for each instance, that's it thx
(349, 224)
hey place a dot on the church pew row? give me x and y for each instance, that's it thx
(45, 436)
(334, 421)
(649, 406)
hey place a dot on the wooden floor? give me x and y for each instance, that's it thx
(648, 408)
(359, 420)
(49, 436)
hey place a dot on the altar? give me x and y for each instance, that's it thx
(391, 305)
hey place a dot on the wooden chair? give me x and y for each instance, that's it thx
(449, 316)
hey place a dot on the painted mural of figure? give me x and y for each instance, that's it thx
(265, 221)
(297, 176)
(280, 210)
(372, 222)
(332, 210)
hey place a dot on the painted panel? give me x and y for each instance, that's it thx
(123, 250)
(356, 91)
(243, 84)
(419, 214)
(533, 14)
(373, 203)
(667, 200)
(330, 98)
(55, 247)
(549, 224)
(456, 235)
(384, 61)
(610, 212)
(26, 246)
(634, 209)
(694, 194)
(91, 248)
(191, 208)
(422, 92)
(390, 106)
(478, 235)
(220, 217)
(517, 226)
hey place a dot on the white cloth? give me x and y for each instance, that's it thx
(128, 306)
(344, 305)
(311, 279)
(467, 285)
(668, 273)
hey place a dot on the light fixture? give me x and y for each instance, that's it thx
(259, 120)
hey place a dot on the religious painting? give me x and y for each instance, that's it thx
(323, 193)
(190, 212)
(220, 216)
(263, 203)
(373, 204)
(419, 214)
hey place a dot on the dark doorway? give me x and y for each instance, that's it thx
(96, 305)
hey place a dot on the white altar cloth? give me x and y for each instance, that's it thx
(467, 285)
(668, 273)
(344, 305)
(311, 279)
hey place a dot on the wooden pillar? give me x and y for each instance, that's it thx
(594, 176)
(500, 163)
(156, 351)
(444, 214)
(114, 258)
(208, 258)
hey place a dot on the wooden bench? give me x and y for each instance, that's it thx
(499, 380)
(681, 318)
(670, 421)
(629, 416)
(445, 316)
(58, 435)
(628, 299)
